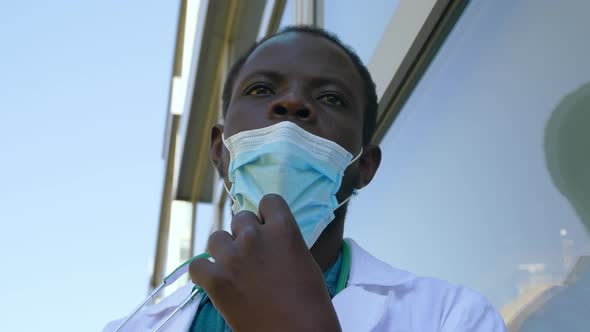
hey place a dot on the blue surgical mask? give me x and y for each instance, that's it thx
(284, 159)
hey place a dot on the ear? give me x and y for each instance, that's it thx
(369, 162)
(216, 148)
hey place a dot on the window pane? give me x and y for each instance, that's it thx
(287, 18)
(360, 24)
(204, 219)
(476, 186)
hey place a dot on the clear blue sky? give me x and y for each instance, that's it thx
(83, 96)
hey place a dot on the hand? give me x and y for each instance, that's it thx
(264, 277)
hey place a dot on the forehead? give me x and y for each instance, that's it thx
(303, 54)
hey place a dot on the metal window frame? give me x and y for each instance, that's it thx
(309, 12)
(225, 28)
(414, 35)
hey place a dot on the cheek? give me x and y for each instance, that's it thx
(246, 114)
(225, 159)
(345, 131)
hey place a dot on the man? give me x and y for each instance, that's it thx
(567, 152)
(299, 111)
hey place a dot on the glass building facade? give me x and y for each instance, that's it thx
(476, 185)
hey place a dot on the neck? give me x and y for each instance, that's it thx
(327, 248)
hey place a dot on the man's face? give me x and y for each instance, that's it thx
(307, 80)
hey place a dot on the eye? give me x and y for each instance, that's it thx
(259, 89)
(332, 99)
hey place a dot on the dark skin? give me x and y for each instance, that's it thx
(264, 277)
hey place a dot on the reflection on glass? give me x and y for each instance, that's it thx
(567, 148)
(359, 23)
(468, 190)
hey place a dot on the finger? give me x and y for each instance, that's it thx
(244, 220)
(274, 209)
(246, 228)
(202, 272)
(219, 244)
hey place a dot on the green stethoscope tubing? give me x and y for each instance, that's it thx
(344, 269)
(183, 268)
(340, 283)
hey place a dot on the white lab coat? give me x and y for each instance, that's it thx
(378, 297)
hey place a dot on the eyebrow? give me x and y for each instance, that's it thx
(315, 80)
(271, 74)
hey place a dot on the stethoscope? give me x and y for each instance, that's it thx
(182, 269)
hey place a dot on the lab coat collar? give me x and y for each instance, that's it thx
(171, 301)
(183, 320)
(368, 270)
(370, 285)
(365, 271)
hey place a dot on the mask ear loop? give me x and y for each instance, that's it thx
(228, 193)
(234, 200)
(354, 193)
(355, 158)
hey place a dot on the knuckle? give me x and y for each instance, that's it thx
(244, 214)
(249, 233)
(249, 237)
(212, 240)
(221, 285)
(243, 218)
(194, 269)
(216, 235)
(230, 256)
(271, 199)
(281, 224)
(291, 232)
(274, 203)
(272, 196)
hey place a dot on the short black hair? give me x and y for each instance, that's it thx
(370, 115)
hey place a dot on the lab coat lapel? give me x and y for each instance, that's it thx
(358, 310)
(347, 304)
(364, 302)
(359, 306)
(183, 319)
(366, 270)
